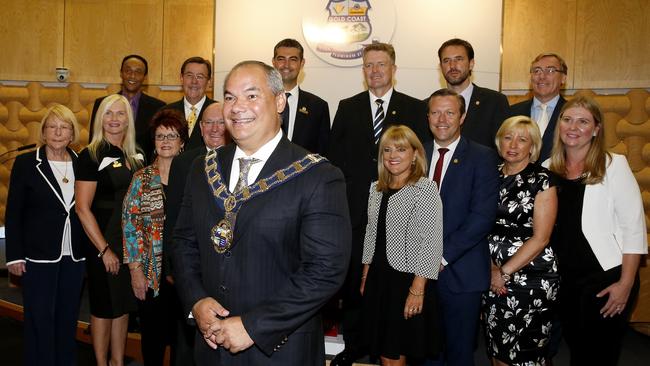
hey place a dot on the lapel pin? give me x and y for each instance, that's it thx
(477, 102)
(117, 164)
(393, 113)
(303, 110)
(455, 161)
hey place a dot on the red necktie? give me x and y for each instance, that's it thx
(438, 170)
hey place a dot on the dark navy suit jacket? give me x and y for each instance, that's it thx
(36, 212)
(289, 255)
(195, 140)
(486, 111)
(312, 125)
(469, 193)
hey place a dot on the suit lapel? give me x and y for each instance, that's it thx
(392, 112)
(44, 169)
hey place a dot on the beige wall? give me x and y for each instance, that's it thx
(90, 37)
(604, 42)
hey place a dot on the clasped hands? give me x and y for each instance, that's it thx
(218, 329)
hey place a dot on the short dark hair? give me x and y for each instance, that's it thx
(137, 57)
(197, 60)
(291, 43)
(170, 118)
(457, 42)
(382, 47)
(449, 93)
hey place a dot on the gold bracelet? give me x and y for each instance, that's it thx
(414, 293)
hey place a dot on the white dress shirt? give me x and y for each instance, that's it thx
(262, 154)
(292, 101)
(445, 163)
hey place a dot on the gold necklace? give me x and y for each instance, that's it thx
(65, 175)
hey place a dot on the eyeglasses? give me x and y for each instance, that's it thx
(208, 123)
(63, 128)
(551, 70)
(169, 136)
(197, 77)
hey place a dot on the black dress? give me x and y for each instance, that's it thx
(592, 339)
(517, 325)
(111, 296)
(387, 333)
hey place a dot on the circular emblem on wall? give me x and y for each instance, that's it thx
(338, 30)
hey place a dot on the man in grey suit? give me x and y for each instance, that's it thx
(306, 120)
(485, 109)
(547, 75)
(263, 236)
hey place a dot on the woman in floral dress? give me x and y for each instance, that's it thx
(524, 284)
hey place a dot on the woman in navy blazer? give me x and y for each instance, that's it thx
(44, 239)
(600, 235)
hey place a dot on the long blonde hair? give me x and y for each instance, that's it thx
(597, 156)
(99, 141)
(400, 135)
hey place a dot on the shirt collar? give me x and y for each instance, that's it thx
(198, 104)
(385, 97)
(264, 152)
(551, 103)
(467, 95)
(294, 91)
(451, 147)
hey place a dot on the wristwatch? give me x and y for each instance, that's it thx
(505, 276)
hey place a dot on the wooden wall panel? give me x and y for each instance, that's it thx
(532, 27)
(189, 31)
(612, 44)
(31, 34)
(98, 34)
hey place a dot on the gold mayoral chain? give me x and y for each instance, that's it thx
(221, 234)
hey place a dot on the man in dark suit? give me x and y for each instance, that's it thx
(213, 131)
(485, 109)
(255, 288)
(306, 120)
(359, 122)
(195, 76)
(466, 173)
(547, 75)
(133, 72)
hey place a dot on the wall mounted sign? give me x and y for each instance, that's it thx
(338, 30)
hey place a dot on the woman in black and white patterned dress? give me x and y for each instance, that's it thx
(402, 253)
(524, 284)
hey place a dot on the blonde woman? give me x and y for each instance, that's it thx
(599, 238)
(44, 240)
(402, 253)
(104, 170)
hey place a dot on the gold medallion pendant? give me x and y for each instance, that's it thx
(221, 235)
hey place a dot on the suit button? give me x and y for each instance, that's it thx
(223, 288)
(228, 254)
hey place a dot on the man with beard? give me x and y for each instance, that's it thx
(485, 109)
(133, 72)
(306, 120)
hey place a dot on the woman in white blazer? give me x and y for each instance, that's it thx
(600, 235)
(402, 253)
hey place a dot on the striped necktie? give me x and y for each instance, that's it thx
(379, 119)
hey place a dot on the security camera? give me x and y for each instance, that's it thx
(62, 74)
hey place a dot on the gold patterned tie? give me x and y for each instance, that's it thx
(191, 120)
(244, 167)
